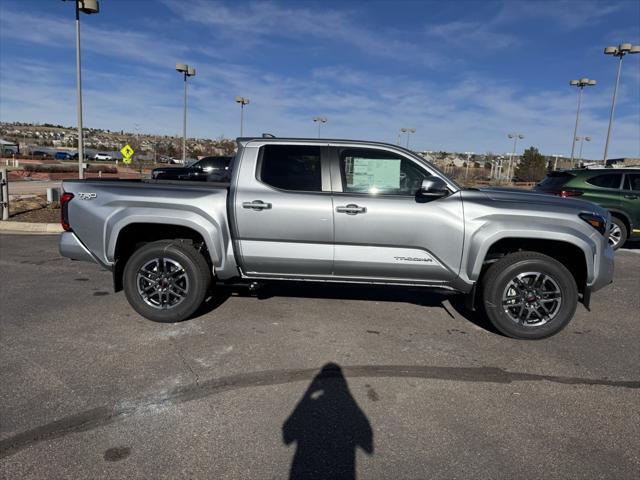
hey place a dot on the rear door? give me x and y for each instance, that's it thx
(283, 211)
(604, 189)
(383, 228)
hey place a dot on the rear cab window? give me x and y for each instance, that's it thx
(291, 167)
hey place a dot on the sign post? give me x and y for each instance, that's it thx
(127, 152)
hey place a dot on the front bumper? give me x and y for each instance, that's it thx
(603, 267)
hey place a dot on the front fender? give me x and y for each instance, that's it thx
(496, 228)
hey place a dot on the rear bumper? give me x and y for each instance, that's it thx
(71, 247)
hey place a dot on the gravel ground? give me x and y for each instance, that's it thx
(41, 215)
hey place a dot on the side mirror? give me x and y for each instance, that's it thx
(434, 187)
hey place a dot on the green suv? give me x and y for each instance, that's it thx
(617, 189)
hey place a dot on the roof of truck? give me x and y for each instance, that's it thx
(272, 139)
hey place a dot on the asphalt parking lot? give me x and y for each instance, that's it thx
(342, 380)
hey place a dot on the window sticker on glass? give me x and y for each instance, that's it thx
(375, 175)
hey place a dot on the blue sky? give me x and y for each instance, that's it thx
(464, 73)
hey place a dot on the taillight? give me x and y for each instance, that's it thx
(64, 210)
(569, 193)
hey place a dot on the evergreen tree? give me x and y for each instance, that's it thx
(532, 167)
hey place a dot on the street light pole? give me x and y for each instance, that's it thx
(583, 82)
(88, 7)
(188, 72)
(510, 168)
(319, 121)
(582, 140)
(408, 131)
(619, 51)
(242, 101)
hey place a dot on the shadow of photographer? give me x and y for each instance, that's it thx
(327, 425)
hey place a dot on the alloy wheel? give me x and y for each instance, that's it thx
(162, 283)
(532, 299)
(615, 235)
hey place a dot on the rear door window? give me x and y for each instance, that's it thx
(607, 180)
(291, 167)
(632, 181)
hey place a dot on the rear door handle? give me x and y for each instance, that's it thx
(351, 209)
(632, 197)
(256, 205)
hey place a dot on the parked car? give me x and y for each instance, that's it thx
(616, 189)
(40, 153)
(208, 169)
(165, 159)
(63, 156)
(102, 156)
(341, 211)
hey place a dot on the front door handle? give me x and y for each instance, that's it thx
(632, 196)
(351, 209)
(256, 205)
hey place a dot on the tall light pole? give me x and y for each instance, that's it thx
(619, 51)
(510, 168)
(187, 71)
(408, 131)
(319, 121)
(581, 140)
(242, 101)
(583, 82)
(88, 7)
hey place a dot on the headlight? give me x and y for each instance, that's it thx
(596, 221)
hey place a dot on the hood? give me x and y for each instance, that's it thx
(542, 200)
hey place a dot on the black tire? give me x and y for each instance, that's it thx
(496, 286)
(185, 287)
(624, 234)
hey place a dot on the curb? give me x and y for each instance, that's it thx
(27, 227)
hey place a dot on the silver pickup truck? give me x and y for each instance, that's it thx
(341, 211)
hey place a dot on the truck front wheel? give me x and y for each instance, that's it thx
(166, 281)
(528, 295)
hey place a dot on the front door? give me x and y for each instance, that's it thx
(283, 212)
(383, 228)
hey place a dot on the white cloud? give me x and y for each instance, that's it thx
(267, 21)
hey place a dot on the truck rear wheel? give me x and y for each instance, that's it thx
(166, 281)
(528, 295)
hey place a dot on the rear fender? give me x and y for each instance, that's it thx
(206, 227)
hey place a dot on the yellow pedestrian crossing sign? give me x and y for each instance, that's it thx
(127, 153)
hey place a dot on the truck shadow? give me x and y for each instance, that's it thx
(382, 293)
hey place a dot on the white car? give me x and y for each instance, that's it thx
(102, 156)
